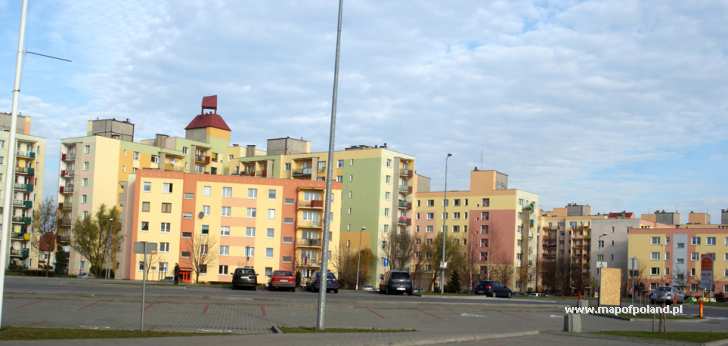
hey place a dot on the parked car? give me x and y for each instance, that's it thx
(484, 287)
(368, 288)
(245, 278)
(282, 280)
(666, 295)
(332, 285)
(396, 281)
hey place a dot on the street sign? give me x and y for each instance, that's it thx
(706, 271)
(140, 245)
(386, 262)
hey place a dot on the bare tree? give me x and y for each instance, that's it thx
(400, 248)
(44, 229)
(202, 252)
(502, 273)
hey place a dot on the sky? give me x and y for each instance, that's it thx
(618, 104)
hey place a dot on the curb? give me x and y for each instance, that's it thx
(467, 338)
(616, 339)
(276, 330)
(716, 343)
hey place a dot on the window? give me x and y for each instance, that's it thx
(86, 165)
(340, 163)
(692, 271)
(710, 241)
(167, 187)
(387, 195)
(726, 257)
(483, 229)
(187, 234)
(655, 271)
(351, 162)
(187, 216)
(204, 249)
(600, 258)
(695, 256)
(456, 202)
(163, 246)
(250, 212)
(84, 199)
(485, 215)
(456, 228)
(655, 240)
(430, 216)
(147, 186)
(389, 162)
(141, 265)
(145, 206)
(272, 194)
(203, 269)
(351, 178)
(135, 155)
(185, 254)
(388, 179)
(165, 227)
(207, 191)
(205, 229)
(227, 191)
(188, 195)
(430, 202)
(222, 269)
(288, 166)
(249, 251)
(252, 193)
(339, 178)
(696, 240)
(224, 230)
(429, 228)
(250, 231)
(483, 242)
(486, 202)
(225, 211)
(270, 232)
(680, 245)
(269, 252)
(271, 214)
(456, 215)
(601, 243)
(386, 211)
(163, 267)
(224, 250)
(166, 208)
(155, 159)
(145, 225)
(655, 256)
(268, 271)
(206, 210)
(84, 182)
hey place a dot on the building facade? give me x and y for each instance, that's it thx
(378, 185)
(724, 216)
(488, 222)
(671, 256)
(238, 221)
(95, 169)
(27, 192)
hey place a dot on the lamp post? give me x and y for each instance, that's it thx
(601, 253)
(358, 257)
(443, 263)
(108, 249)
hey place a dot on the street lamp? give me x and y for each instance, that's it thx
(358, 257)
(108, 249)
(600, 253)
(443, 263)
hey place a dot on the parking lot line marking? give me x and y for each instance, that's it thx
(374, 312)
(262, 310)
(88, 305)
(27, 304)
(204, 310)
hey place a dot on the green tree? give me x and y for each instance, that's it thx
(453, 284)
(454, 255)
(98, 239)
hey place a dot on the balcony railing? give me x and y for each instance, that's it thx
(405, 189)
(404, 204)
(25, 170)
(403, 220)
(26, 154)
(304, 261)
(68, 157)
(204, 159)
(314, 204)
(302, 172)
(68, 173)
(309, 242)
(309, 224)
(66, 222)
(23, 187)
(68, 189)
(405, 173)
(20, 203)
(21, 220)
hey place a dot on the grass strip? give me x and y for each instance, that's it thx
(697, 337)
(305, 330)
(32, 333)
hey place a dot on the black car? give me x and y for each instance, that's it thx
(396, 281)
(492, 289)
(245, 278)
(332, 285)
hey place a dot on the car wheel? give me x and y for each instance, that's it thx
(336, 291)
(509, 295)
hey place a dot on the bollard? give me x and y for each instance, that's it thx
(572, 323)
(701, 308)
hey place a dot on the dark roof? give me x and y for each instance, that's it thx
(202, 121)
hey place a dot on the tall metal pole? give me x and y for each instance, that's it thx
(10, 163)
(323, 278)
(443, 263)
(144, 289)
(358, 257)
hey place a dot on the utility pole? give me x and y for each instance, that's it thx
(443, 263)
(109, 258)
(10, 163)
(323, 278)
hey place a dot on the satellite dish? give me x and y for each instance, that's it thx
(201, 214)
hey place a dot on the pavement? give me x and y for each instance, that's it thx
(100, 304)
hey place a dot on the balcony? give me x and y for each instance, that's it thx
(19, 203)
(25, 171)
(23, 187)
(202, 159)
(405, 221)
(25, 154)
(68, 157)
(312, 204)
(68, 173)
(405, 173)
(22, 253)
(405, 189)
(309, 224)
(172, 167)
(309, 242)
(24, 220)
(66, 222)
(63, 239)
(68, 189)
(66, 206)
(302, 173)
(304, 261)
(404, 204)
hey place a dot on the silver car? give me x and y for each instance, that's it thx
(666, 295)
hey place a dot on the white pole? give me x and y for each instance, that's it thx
(144, 289)
(323, 278)
(10, 162)
(444, 231)
(358, 257)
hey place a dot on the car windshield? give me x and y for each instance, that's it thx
(246, 271)
(400, 276)
(282, 273)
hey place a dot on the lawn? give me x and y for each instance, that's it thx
(304, 330)
(697, 337)
(30, 333)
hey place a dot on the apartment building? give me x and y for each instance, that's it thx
(698, 218)
(724, 216)
(378, 185)
(27, 191)
(670, 255)
(565, 243)
(95, 168)
(663, 217)
(488, 221)
(239, 221)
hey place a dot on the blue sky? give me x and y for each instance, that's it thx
(620, 104)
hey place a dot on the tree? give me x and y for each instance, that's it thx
(44, 229)
(502, 273)
(400, 248)
(202, 252)
(345, 264)
(98, 238)
(453, 284)
(454, 255)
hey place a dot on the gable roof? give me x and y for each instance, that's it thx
(202, 121)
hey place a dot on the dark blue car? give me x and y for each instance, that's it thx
(332, 285)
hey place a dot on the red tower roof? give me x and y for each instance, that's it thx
(211, 119)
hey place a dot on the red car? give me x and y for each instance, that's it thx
(282, 280)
